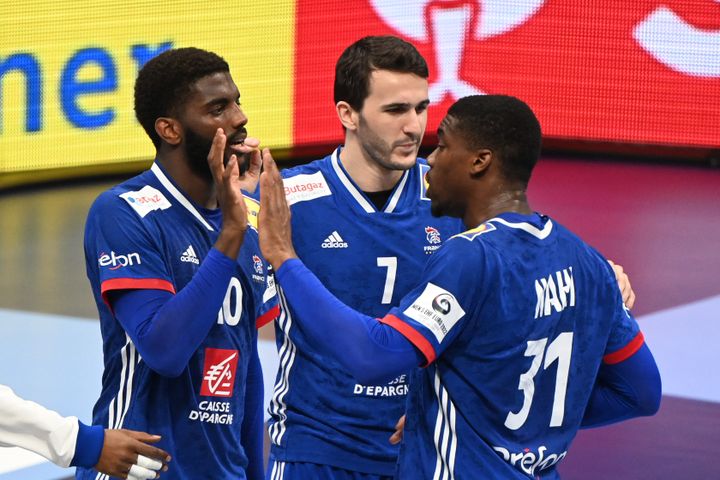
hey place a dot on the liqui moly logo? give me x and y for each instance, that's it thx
(529, 461)
(220, 369)
(449, 25)
(115, 261)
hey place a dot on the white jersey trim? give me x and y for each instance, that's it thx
(445, 435)
(179, 196)
(398, 193)
(120, 405)
(287, 353)
(278, 471)
(358, 195)
(532, 230)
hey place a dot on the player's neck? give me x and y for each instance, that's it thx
(365, 172)
(196, 188)
(506, 201)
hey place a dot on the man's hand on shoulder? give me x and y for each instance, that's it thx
(628, 295)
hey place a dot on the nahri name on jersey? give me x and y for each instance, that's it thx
(437, 309)
(302, 188)
(146, 200)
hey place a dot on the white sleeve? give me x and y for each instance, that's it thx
(33, 427)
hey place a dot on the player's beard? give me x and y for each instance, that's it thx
(379, 150)
(197, 149)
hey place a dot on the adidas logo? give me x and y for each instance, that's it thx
(189, 256)
(334, 240)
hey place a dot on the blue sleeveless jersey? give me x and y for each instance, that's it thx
(369, 259)
(145, 233)
(514, 318)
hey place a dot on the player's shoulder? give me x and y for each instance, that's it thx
(528, 227)
(464, 247)
(138, 196)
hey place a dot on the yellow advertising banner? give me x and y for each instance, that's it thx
(67, 70)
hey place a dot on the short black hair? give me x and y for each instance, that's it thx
(359, 60)
(165, 82)
(504, 124)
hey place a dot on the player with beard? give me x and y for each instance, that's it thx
(362, 223)
(519, 324)
(178, 280)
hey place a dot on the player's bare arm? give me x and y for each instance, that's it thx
(274, 218)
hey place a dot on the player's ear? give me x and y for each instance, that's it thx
(169, 130)
(481, 161)
(347, 115)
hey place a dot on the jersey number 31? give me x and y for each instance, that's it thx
(559, 349)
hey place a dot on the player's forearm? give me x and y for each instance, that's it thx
(167, 329)
(628, 389)
(370, 351)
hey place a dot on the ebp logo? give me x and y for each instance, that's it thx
(585, 81)
(115, 261)
(220, 369)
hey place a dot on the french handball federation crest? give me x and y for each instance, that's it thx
(432, 235)
(449, 25)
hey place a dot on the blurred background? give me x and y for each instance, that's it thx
(628, 94)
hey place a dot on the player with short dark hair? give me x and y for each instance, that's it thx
(178, 279)
(519, 324)
(354, 69)
(362, 223)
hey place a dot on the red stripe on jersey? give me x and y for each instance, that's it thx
(267, 317)
(133, 284)
(626, 352)
(411, 334)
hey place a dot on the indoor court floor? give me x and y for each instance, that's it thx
(661, 221)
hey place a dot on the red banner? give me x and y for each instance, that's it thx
(643, 72)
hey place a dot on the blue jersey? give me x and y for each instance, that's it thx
(369, 259)
(146, 234)
(514, 318)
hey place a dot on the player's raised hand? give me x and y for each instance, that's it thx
(229, 197)
(623, 280)
(127, 454)
(251, 161)
(274, 227)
